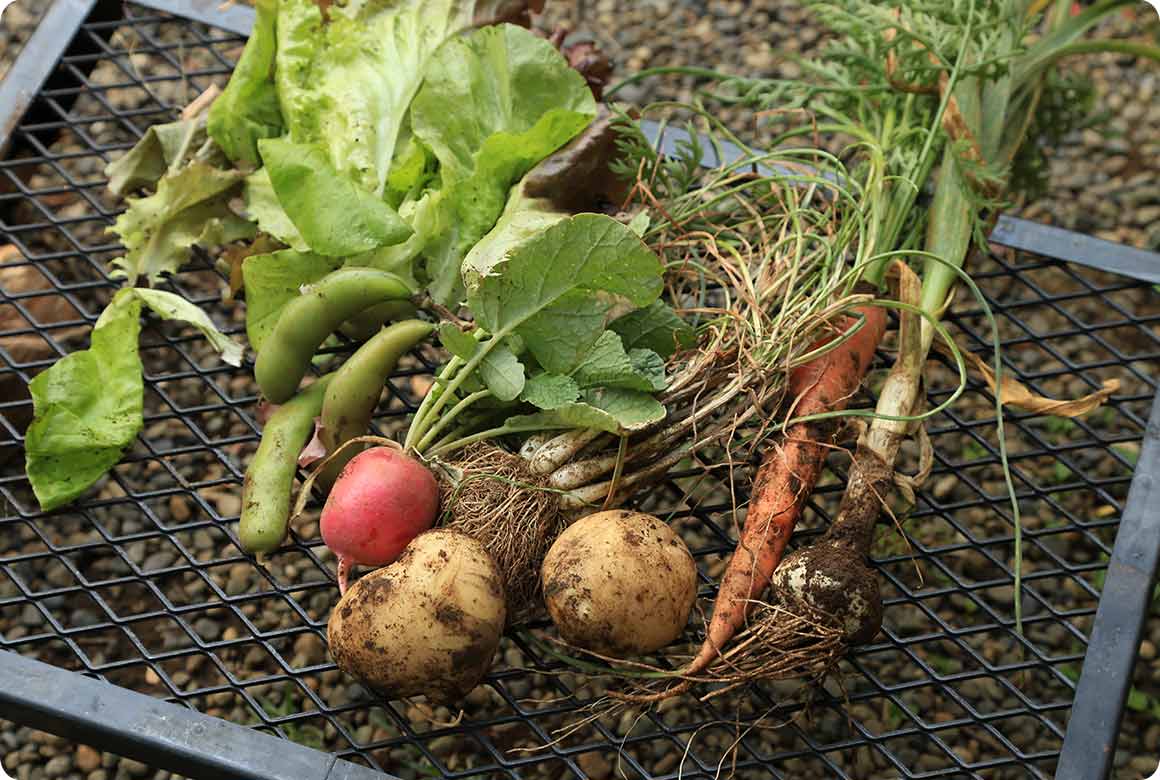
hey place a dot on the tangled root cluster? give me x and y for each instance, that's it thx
(492, 495)
(780, 642)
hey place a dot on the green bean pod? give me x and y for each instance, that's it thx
(269, 481)
(307, 320)
(353, 395)
(364, 324)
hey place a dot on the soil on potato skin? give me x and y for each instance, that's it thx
(378, 628)
(1104, 182)
(619, 583)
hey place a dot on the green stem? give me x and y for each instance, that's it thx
(440, 386)
(419, 427)
(448, 418)
(491, 433)
(1065, 31)
(1132, 48)
(948, 235)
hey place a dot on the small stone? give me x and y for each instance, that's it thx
(1145, 764)
(99, 774)
(944, 486)
(1152, 738)
(30, 616)
(667, 763)
(594, 766)
(202, 540)
(208, 629)
(134, 768)
(479, 697)
(58, 766)
(1146, 89)
(442, 747)
(179, 508)
(1115, 165)
(1147, 650)
(158, 560)
(87, 759)
(1147, 215)
(239, 579)
(228, 504)
(255, 658)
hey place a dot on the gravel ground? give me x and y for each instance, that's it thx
(1105, 183)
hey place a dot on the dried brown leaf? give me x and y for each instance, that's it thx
(1015, 393)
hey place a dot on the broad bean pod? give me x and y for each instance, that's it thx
(355, 391)
(270, 478)
(307, 320)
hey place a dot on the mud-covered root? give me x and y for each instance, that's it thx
(830, 580)
(493, 496)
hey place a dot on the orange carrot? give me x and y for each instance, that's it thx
(784, 482)
(786, 478)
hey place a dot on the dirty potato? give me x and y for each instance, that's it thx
(619, 583)
(427, 624)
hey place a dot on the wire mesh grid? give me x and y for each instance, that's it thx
(142, 584)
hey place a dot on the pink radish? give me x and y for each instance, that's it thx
(381, 501)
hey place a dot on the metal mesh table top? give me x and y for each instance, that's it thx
(141, 583)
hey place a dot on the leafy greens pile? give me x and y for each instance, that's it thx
(383, 135)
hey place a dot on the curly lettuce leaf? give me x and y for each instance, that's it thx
(413, 169)
(89, 405)
(89, 408)
(272, 280)
(150, 158)
(493, 105)
(173, 307)
(499, 100)
(345, 84)
(191, 206)
(247, 110)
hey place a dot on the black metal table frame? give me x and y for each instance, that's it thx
(200, 746)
